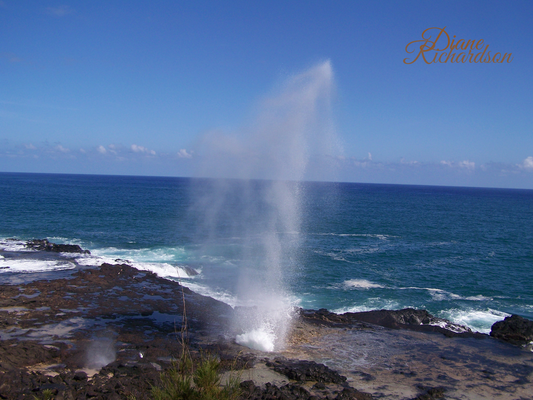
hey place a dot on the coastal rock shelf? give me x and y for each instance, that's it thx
(108, 332)
(45, 245)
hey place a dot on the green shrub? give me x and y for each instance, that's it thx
(187, 381)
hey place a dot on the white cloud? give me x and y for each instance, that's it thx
(184, 154)
(62, 149)
(141, 149)
(112, 148)
(370, 156)
(470, 165)
(362, 164)
(404, 162)
(101, 149)
(527, 163)
(30, 146)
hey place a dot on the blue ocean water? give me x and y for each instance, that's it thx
(465, 254)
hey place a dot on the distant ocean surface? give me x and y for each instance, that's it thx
(465, 254)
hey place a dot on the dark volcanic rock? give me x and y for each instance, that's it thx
(303, 371)
(353, 394)
(289, 392)
(408, 318)
(513, 329)
(62, 326)
(293, 391)
(45, 245)
(431, 394)
(329, 384)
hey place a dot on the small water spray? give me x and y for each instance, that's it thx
(100, 352)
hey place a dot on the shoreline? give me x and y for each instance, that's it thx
(122, 325)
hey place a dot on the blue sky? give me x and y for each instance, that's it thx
(132, 87)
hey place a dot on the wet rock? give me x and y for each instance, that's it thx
(351, 393)
(286, 392)
(431, 394)
(292, 391)
(45, 245)
(408, 318)
(514, 329)
(80, 376)
(319, 386)
(303, 371)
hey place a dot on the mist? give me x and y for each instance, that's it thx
(255, 196)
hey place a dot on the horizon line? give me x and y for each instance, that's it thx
(266, 180)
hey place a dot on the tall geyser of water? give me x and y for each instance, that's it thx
(256, 197)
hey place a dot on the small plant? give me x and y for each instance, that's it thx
(47, 394)
(189, 381)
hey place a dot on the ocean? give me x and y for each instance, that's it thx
(464, 254)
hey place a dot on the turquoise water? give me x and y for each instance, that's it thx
(465, 254)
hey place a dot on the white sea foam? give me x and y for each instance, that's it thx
(442, 295)
(361, 284)
(159, 254)
(13, 245)
(477, 320)
(371, 304)
(372, 235)
(163, 270)
(71, 260)
(29, 266)
(479, 297)
(217, 294)
(164, 262)
(64, 240)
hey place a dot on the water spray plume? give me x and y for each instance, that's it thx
(265, 214)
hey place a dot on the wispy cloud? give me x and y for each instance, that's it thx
(414, 163)
(470, 165)
(113, 148)
(465, 165)
(140, 149)
(59, 11)
(184, 154)
(101, 149)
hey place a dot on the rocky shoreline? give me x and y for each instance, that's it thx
(109, 332)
